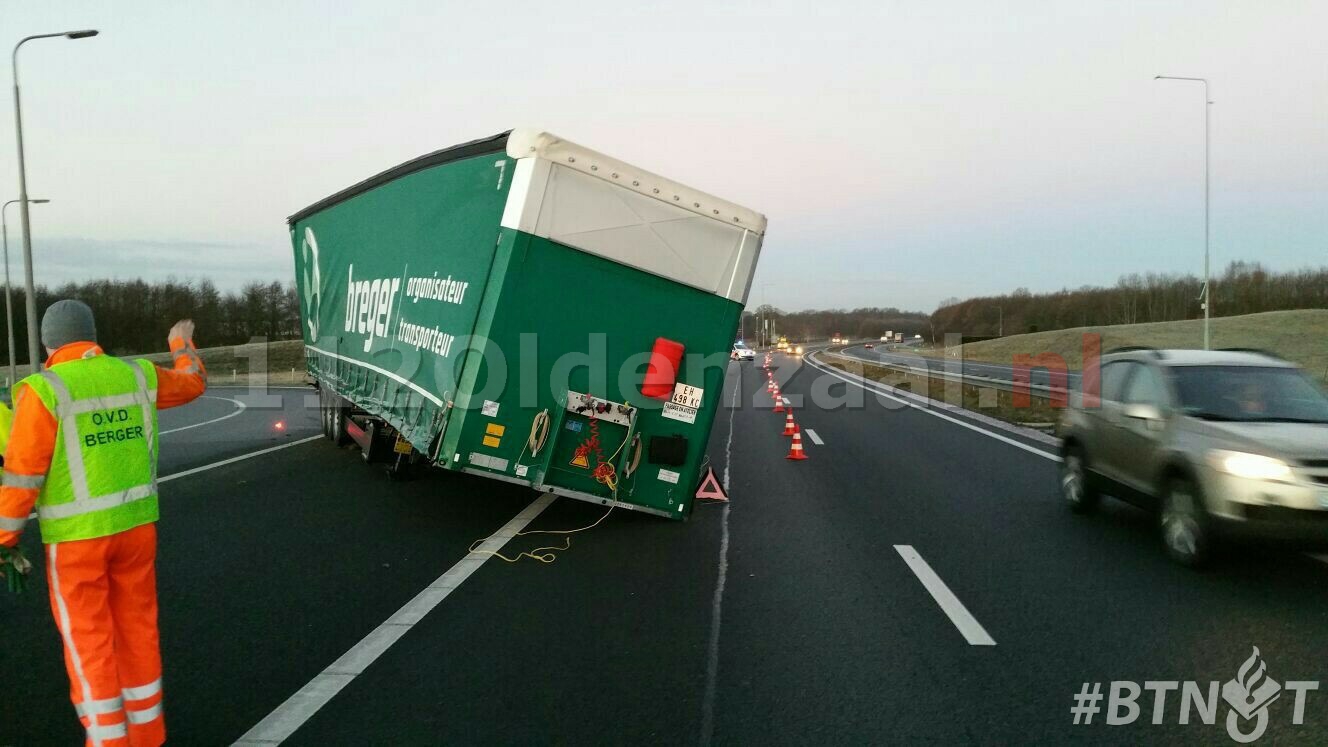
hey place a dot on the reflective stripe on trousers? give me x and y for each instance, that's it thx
(103, 596)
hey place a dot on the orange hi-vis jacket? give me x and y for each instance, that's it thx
(32, 440)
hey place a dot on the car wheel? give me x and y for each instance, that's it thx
(1076, 484)
(1184, 524)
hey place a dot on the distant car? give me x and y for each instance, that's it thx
(795, 350)
(1220, 445)
(869, 346)
(742, 353)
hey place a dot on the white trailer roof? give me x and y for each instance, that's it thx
(599, 204)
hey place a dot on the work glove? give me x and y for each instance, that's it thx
(15, 568)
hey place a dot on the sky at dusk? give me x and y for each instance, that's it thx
(903, 152)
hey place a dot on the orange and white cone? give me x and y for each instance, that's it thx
(795, 451)
(789, 427)
(779, 402)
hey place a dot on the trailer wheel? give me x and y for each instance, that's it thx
(371, 441)
(334, 418)
(339, 435)
(325, 414)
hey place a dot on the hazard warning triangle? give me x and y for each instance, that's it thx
(580, 460)
(710, 488)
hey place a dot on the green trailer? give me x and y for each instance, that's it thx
(526, 309)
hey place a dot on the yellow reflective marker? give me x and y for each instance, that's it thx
(492, 442)
(494, 429)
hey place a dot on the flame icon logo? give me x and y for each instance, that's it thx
(1249, 696)
(1251, 673)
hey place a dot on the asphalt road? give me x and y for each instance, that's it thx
(272, 567)
(900, 355)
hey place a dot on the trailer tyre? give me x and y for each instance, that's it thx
(334, 418)
(339, 435)
(325, 414)
(371, 441)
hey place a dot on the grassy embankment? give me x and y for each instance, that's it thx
(281, 362)
(989, 401)
(1299, 336)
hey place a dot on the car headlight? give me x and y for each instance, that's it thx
(1252, 466)
(799, 350)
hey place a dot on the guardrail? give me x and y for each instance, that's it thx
(958, 376)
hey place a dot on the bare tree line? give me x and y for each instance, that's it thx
(133, 316)
(1242, 288)
(803, 326)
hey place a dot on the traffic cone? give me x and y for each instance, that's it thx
(779, 402)
(795, 451)
(789, 426)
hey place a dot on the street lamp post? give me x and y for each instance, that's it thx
(1208, 103)
(9, 295)
(33, 335)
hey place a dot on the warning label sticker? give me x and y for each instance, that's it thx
(668, 475)
(677, 412)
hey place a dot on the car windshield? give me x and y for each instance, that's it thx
(739, 346)
(1248, 393)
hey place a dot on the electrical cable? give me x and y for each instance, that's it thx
(542, 554)
(539, 434)
(549, 553)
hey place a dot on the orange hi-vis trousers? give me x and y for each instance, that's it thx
(104, 599)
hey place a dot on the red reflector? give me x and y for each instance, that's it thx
(662, 373)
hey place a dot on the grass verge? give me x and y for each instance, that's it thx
(279, 362)
(1297, 336)
(989, 401)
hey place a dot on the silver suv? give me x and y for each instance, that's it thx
(1220, 444)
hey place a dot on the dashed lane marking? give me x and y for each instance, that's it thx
(968, 625)
(300, 707)
(812, 435)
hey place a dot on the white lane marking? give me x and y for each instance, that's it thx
(721, 579)
(277, 726)
(1017, 444)
(968, 625)
(305, 387)
(1320, 558)
(812, 435)
(223, 462)
(240, 408)
(233, 460)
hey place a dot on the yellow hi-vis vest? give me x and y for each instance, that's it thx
(6, 425)
(103, 475)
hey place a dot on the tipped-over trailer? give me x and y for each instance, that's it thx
(527, 309)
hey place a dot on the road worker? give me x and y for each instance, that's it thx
(84, 450)
(13, 566)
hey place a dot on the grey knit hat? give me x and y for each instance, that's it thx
(67, 321)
